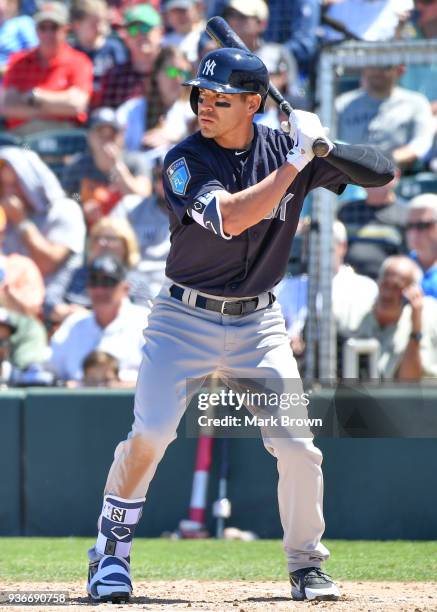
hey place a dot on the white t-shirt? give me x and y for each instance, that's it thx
(352, 295)
(80, 334)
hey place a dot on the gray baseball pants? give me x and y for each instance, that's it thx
(184, 342)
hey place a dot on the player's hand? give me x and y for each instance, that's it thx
(306, 128)
(302, 152)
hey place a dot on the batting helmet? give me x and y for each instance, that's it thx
(230, 71)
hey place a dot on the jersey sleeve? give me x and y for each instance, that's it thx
(322, 174)
(186, 177)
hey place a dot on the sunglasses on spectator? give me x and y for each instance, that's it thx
(138, 28)
(48, 27)
(420, 226)
(100, 280)
(176, 73)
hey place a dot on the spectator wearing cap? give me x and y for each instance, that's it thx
(105, 173)
(21, 283)
(422, 238)
(375, 228)
(91, 30)
(142, 33)
(249, 19)
(397, 120)
(17, 32)
(162, 117)
(23, 350)
(185, 23)
(42, 222)
(108, 236)
(114, 325)
(48, 87)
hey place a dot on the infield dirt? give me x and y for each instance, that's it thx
(222, 596)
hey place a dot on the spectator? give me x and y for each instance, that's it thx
(295, 25)
(375, 228)
(403, 321)
(422, 238)
(163, 117)
(249, 19)
(184, 20)
(17, 32)
(42, 222)
(91, 29)
(150, 221)
(370, 20)
(100, 369)
(23, 347)
(21, 283)
(107, 237)
(49, 86)
(350, 293)
(114, 325)
(142, 34)
(105, 173)
(283, 76)
(397, 120)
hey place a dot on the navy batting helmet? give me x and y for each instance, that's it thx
(230, 71)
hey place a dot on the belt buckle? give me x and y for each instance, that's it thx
(223, 306)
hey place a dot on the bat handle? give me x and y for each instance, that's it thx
(320, 146)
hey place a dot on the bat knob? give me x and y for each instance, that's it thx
(321, 147)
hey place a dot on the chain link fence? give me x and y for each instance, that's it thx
(321, 357)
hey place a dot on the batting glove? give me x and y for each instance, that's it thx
(308, 130)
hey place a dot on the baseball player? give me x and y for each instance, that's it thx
(234, 191)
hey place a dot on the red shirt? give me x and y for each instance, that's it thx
(70, 68)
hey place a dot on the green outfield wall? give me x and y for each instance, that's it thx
(57, 445)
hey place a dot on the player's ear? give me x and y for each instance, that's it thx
(253, 103)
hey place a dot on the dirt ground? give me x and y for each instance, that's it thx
(245, 597)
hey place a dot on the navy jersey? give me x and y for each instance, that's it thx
(256, 260)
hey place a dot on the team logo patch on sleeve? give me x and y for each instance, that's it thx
(179, 176)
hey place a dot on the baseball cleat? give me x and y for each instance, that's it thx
(313, 584)
(109, 580)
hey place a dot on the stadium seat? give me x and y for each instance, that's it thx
(411, 186)
(56, 147)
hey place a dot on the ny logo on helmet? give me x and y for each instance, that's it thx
(208, 69)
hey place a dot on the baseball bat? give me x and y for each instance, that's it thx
(219, 29)
(222, 507)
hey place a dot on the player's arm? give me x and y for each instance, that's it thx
(360, 164)
(363, 165)
(248, 207)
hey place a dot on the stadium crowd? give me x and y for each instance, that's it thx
(90, 102)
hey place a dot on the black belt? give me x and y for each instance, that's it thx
(225, 307)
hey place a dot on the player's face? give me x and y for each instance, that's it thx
(223, 115)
